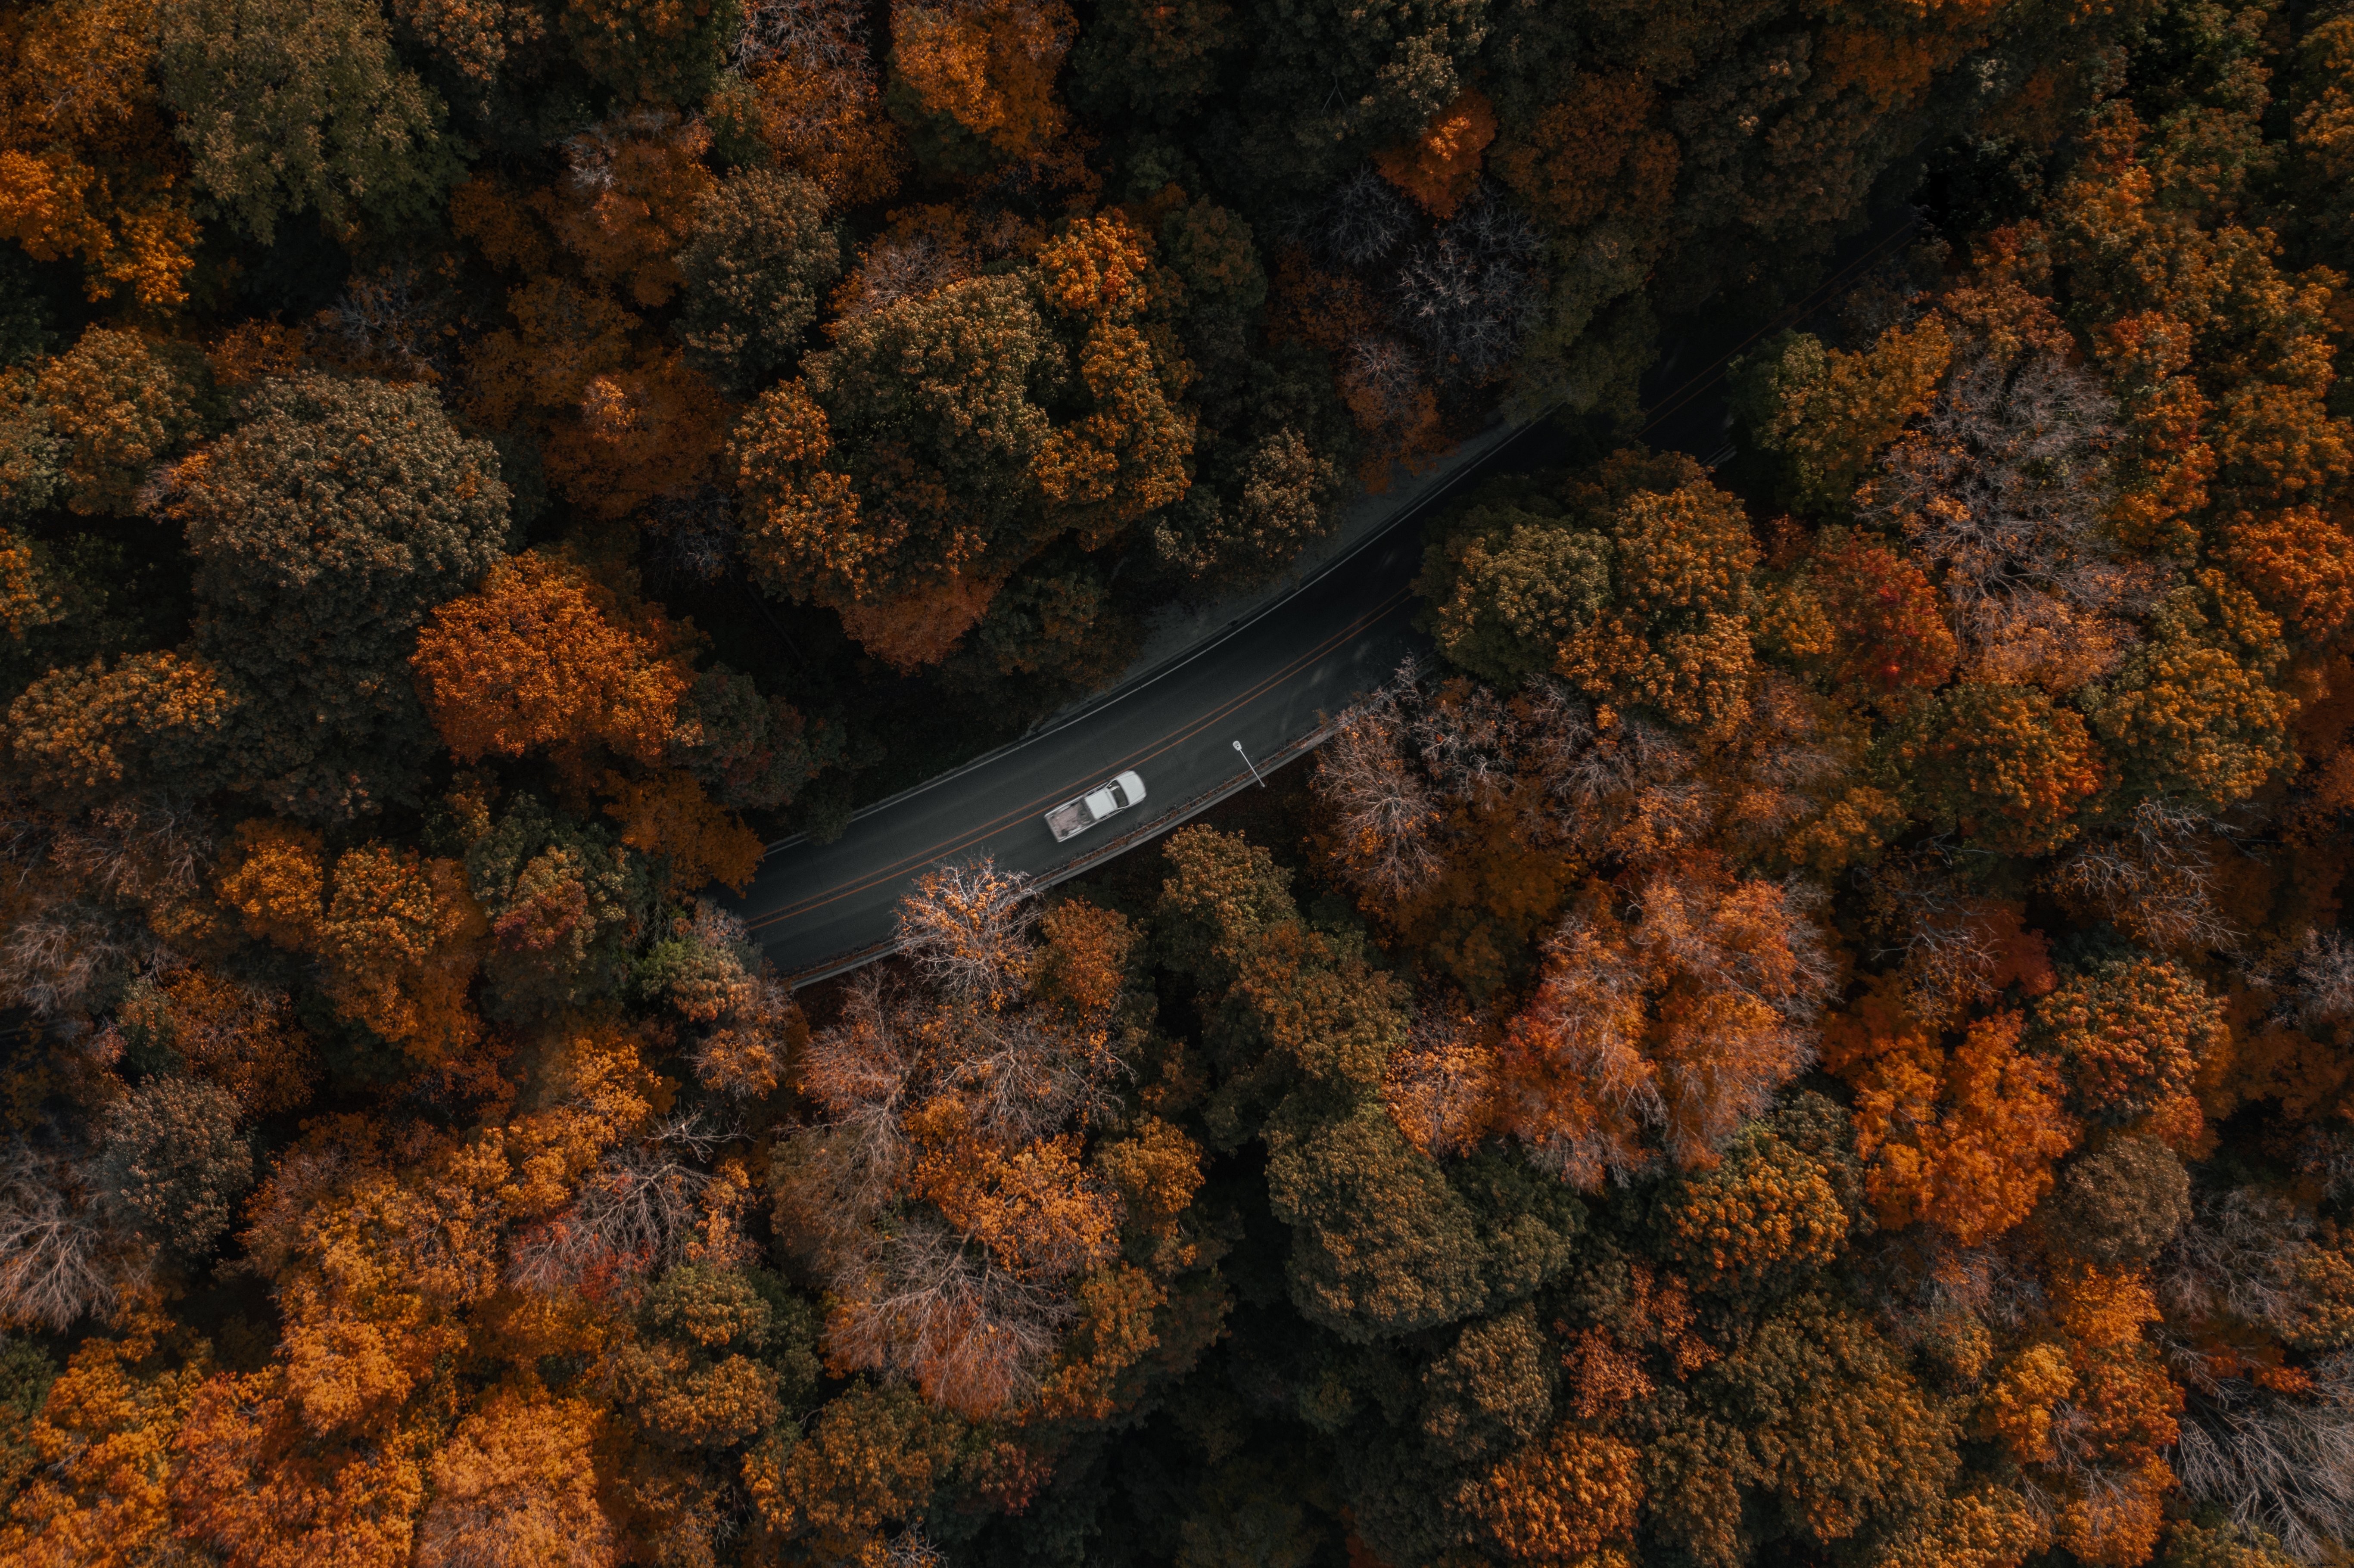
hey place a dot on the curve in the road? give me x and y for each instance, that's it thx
(1272, 680)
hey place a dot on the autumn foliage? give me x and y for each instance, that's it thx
(1804, 1017)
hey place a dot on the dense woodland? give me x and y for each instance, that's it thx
(1816, 1027)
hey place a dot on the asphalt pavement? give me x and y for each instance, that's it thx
(1256, 694)
(1260, 692)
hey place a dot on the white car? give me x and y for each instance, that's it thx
(1072, 818)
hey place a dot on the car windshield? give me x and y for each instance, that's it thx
(1119, 796)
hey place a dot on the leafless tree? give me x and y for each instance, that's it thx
(53, 1249)
(483, 1515)
(1789, 766)
(2110, 1504)
(1772, 952)
(1472, 291)
(2282, 1463)
(831, 1183)
(1463, 744)
(1024, 1074)
(2237, 1258)
(1942, 931)
(588, 154)
(811, 34)
(892, 270)
(1382, 807)
(930, 1304)
(1593, 997)
(1402, 757)
(970, 1037)
(1763, 957)
(1746, 955)
(55, 959)
(631, 1215)
(1363, 219)
(2150, 877)
(1384, 380)
(1439, 1084)
(2318, 989)
(1469, 744)
(386, 323)
(2003, 491)
(73, 938)
(909, 1549)
(868, 1061)
(2327, 1151)
(1602, 780)
(145, 848)
(1017, 1072)
(1924, 1277)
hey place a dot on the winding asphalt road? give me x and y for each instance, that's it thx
(1272, 682)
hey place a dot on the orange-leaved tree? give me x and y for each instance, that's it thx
(1958, 1124)
(89, 167)
(953, 1195)
(399, 936)
(1658, 1026)
(544, 658)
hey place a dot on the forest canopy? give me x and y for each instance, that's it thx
(1814, 1023)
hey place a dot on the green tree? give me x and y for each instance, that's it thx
(1213, 253)
(1490, 1391)
(905, 450)
(1299, 1029)
(2193, 714)
(1828, 413)
(2005, 764)
(171, 1157)
(567, 901)
(2119, 1205)
(1331, 80)
(1507, 586)
(1817, 1418)
(288, 106)
(79, 737)
(1222, 893)
(1778, 1208)
(719, 1355)
(1150, 58)
(762, 249)
(1251, 510)
(30, 447)
(2190, 1545)
(750, 753)
(869, 1461)
(1250, 1516)
(660, 50)
(1380, 1244)
(325, 526)
(2131, 1032)
(26, 1375)
(1056, 625)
